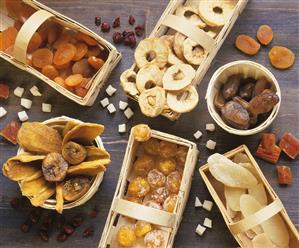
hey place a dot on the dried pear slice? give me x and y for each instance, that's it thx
(241, 158)
(74, 153)
(88, 168)
(75, 188)
(38, 137)
(59, 198)
(232, 197)
(262, 241)
(54, 167)
(43, 196)
(229, 173)
(258, 192)
(33, 187)
(274, 227)
(83, 133)
(96, 153)
(68, 126)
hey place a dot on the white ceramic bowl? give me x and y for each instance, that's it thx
(248, 69)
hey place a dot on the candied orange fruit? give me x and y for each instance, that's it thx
(141, 132)
(126, 236)
(156, 179)
(173, 182)
(138, 187)
(166, 165)
(142, 228)
(143, 165)
(167, 149)
(152, 146)
(169, 203)
(154, 239)
(181, 155)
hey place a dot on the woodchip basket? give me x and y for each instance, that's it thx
(121, 209)
(169, 22)
(58, 123)
(248, 69)
(42, 14)
(238, 228)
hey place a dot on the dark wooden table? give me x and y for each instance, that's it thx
(282, 15)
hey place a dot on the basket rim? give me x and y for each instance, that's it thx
(216, 116)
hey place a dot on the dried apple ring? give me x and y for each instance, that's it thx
(128, 82)
(50, 71)
(193, 52)
(73, 80)
(178, 45)
(34, 43)
(64, 54)
(178, 77)
(281, 57)
(172, 58)
(42, 57)
(152, 101)
(87, 39)
(148, 76)
(190, 13)
(151, 51)
(95, 62)
(82, 49)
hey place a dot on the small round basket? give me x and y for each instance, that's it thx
(58, 123)
(248, 69)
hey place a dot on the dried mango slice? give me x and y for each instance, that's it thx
(33, 187)
(10, 131)
(59, 198)
(290, 145)
(83, 133)
(89, 168)
(27, 157)
(95, 153)
(68, 126)
(43, 196)
(38, 137)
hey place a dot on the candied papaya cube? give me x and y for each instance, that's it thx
(284, 175)
(290, 145)
(10, 131)
(267, 149)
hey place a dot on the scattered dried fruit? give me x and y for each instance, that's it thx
(105, 27)
(117, 37)
(77, 220)
(131, 20)
(290, 145)
(61, 237)
(25, 227)
(284, 175)
(116, 22)
(264, 34)
(139, 30)
(10, 131)
(130, 40)
(44, 236)
(281, 57)
(4, 91)
(267, 149)
(247, 45)
(88, 232)
(97, 21)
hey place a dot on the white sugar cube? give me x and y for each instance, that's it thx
(2, 112)
(19, 91)
(105, 102)
(23, 116)
(110, 90)
(128, 113)
(26, 103)
(122, 128)
(122, 105)
(197, 202)
(210, 127)
(46, 107)
(211, 144)
(207, 223)
(207, 205)
(111, 108)
(35, 91)
(197, 134)
(200, 230)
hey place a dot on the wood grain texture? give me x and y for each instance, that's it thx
(283, 16)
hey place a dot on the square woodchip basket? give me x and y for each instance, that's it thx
(122, 211)
(238, 228)
(169, 22)
(42, 14)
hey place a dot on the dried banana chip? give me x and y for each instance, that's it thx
(59, 198)
(258, 192)
(230, 173)
(88, 168)
(39, 138)
(43, 196)
(274, 227)
(96, 153)
(83, 133)
(33, 187)
(232, 197)
(68, 127)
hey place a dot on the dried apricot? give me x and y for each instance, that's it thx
(82, 67)
(65, 37)
(50, 71)
(87, 39)
(42, 57)
(247, 45)
(73, 80)
(13, 7)
(54, 32)
(82, 49)
(25, 12)
(64, 54)
(93, 51)
(18, 25)
(63, 66)
(59, 80)
(34, 43)
(80, 91)
(281, 57)
(8, 38)
(264, 34)
(95, 62)
(65, 72)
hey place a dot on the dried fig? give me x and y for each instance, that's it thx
(260, 86)
(235, 115)
(54, 167)
(247, 45)
(263, 102)
(281, 57)
(219, 100)
(246, 90)
(73, 152)
(264, 34)
(230, 88)
(74, 188)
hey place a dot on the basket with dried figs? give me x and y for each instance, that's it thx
(175, 57)
(60, 163)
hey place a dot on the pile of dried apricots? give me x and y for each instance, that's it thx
(67, 57)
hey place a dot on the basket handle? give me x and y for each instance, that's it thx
(257, 218)
(26, 32)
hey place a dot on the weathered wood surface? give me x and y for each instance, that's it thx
(283, 16)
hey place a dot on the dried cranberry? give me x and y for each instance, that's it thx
(34, 216)
(131, 20)
(127, 33)
(105, 27)
(68, 229)
(77, 220)
(15, 203)
(117, 37)
(25, 227)
(130, 41)
(88, 232)
(62, 237)
(139, 30)
(97, 21)
(116, 22)
(60, 222)
(44, 236)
